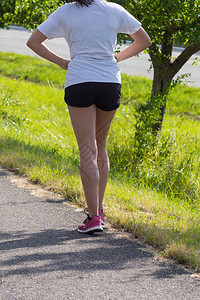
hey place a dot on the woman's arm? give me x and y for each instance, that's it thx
(35, 43)
(141, 42)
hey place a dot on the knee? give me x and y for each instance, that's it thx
(88, 152)
(88, 163)
(102, 158)
(101, 152)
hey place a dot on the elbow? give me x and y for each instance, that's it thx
(29, 43)
(148, 42)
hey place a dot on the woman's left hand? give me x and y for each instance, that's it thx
(64, 63)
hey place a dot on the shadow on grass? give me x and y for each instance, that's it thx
(17, 154)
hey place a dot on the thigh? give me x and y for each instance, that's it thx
(103, 122)
(84, 125)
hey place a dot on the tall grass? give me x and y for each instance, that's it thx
(157, 198)
(172, 167)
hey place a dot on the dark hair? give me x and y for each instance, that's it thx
(82, 2)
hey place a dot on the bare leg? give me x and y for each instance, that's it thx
(84, 125)
(103, 122)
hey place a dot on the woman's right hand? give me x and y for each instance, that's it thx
(35, 42)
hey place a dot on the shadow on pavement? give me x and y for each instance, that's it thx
(81, 253)
(2, 173)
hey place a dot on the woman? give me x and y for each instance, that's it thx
(93, 83)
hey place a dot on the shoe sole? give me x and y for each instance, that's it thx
(91, 230)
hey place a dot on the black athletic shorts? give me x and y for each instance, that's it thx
(105, 96)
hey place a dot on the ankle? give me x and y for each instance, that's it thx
(93, 212)
(90, 217)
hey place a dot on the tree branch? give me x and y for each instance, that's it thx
(183, 58)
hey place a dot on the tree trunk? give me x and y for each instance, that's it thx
(164, 71)
(160, 88)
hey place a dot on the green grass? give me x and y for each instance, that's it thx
(31, 68)
(157, 200)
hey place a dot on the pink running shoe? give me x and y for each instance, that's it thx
(101, 216)
(90, 225)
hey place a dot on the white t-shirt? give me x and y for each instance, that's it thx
(91, 33)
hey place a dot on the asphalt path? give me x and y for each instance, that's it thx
(14, 40)
(43, 257)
